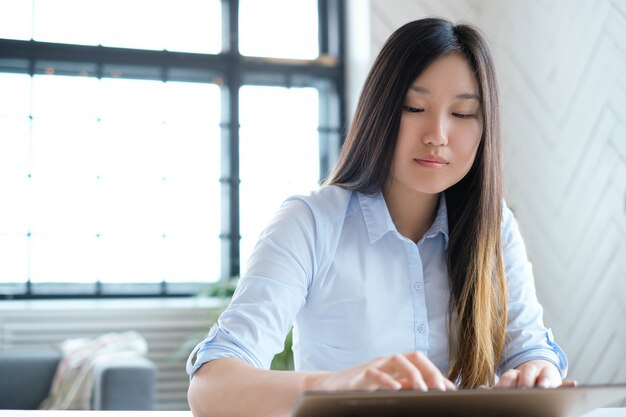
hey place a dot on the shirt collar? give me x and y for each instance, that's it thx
(440, 225)
(378, 220)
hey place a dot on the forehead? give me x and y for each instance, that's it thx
(449, 75)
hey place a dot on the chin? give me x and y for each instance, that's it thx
(420, 185)
(432, 187)
(429, 190)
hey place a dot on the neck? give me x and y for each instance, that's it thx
(412, 213)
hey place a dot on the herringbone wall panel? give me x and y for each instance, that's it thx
(562, 74)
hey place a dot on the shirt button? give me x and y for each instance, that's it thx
(421, 328)
(418, 286)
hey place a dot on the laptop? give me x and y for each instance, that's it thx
(501, 402)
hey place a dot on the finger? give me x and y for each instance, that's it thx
(528, 376)
(406, 383)
(400, 365)
(549, 377)
(449, 384)
(508, 379)
(569, 383)
(430, 373)
(375, 379)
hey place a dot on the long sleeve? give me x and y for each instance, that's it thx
(269, 295)
(527, 337)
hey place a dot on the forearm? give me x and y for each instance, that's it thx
(230, 387)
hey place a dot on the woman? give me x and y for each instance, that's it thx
(406, 270)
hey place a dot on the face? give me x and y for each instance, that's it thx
(440, 128)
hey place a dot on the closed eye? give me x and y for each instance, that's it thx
(463, 116)
(409, 109)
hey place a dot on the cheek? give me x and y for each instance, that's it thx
(468, 140)
(404, 145)
(406, 135)
(466, 149)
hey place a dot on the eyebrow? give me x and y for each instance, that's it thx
(463, 96)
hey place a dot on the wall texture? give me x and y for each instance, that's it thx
(562, 74)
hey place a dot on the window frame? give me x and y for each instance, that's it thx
(230, 70)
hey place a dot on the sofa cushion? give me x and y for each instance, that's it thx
(124, 385)
(25, 377)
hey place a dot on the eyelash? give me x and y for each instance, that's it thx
(461, 116)
(412, 109)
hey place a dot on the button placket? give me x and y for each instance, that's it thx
(418, 297)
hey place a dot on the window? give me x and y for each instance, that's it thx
(279, 28)
(173, 25)
(146, 160)
(279, 153)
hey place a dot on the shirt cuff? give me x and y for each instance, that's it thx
(217, 345)
(551, 353)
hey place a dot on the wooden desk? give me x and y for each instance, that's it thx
(600, 412)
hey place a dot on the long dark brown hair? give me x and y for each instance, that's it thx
(478, 296)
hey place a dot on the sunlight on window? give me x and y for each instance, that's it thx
(279, 154)
(279, 28)
(108, 173)
(66, 21)
(16, 17)
(14, 181)
(175, 25)
(118, 180)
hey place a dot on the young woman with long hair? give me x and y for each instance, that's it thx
(405, 270)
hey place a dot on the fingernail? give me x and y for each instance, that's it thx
(544, 383)
(397, 386)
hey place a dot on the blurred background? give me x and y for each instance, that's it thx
(145, 144)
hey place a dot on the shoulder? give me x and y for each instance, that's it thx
(313, 213)
(511, 238)
(308, 227)
(507, 215)
(327, 204)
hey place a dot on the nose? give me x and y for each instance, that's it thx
(436, 133)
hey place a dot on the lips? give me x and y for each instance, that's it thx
(431, 161)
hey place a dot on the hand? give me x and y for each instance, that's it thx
(537, 373)
(403, 371)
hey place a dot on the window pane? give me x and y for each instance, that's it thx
(64, 170)
(16, 19)
(279, 154)
(194, 26)
(14, 176)
(124, 186)
(279, 28)
(175, 25)
(15, 97)
(66, 21)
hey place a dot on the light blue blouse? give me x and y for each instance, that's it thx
(333, 265)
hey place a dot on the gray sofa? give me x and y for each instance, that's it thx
(26, 377)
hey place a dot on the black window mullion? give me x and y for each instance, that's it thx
(234, 81)
(323, 30)
(336, 43)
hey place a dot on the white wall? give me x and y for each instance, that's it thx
(562, 72)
